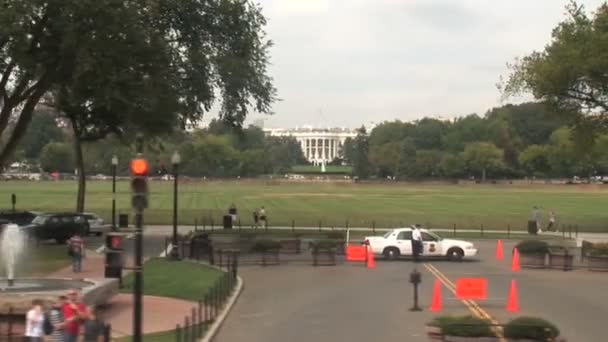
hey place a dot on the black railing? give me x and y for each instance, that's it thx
(198, 321)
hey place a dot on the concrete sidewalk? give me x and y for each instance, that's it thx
(160, 313)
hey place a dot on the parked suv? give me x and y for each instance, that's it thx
(58, 226)
(97, 225)
(20, 218)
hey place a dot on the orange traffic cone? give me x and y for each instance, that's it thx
(513, 303)
(515, 262)
(499, 254)
(371, 262)
(436, 303)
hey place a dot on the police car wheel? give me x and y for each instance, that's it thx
(391, 253)
(455, 254)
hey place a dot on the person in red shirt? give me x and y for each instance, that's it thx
(74, 313)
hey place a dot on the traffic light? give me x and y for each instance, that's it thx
(139, 183)
(113, 241)
(114, 255)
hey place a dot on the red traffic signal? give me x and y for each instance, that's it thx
(139, 167)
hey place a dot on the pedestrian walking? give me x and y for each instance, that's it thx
(76, 251)
(93, 327)
(534, 222)
(55, 319)
(74, 313)
(552, 219)
(263, 219)
(256, 218)
(232, 211)
(417, 246)
(34, 323)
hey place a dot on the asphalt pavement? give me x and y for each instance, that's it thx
(350, 302)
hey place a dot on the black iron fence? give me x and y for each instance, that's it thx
(198, 321)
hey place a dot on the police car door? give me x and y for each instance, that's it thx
(431, 245)
(404, 241)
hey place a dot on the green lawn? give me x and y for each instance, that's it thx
(176, 279)
(40, 260)
(335, 204)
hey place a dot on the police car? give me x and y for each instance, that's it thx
(398, 242)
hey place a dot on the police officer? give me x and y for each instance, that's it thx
(417, 245)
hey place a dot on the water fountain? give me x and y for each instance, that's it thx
(12, 244)
(17, 292)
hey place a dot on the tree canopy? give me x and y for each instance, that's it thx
(569, 74)
(112, 66)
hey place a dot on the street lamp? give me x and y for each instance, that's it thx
(114, 165)
(175, 161)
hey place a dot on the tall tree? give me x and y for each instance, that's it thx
(569, 73)
(483, 157)
(407, 158)
(42, 131)
(114, 66)
(362, 167)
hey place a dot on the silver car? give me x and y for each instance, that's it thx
(97, 225)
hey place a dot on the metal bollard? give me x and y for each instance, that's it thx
(415, 280)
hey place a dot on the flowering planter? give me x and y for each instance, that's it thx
(561, 261)
(269, 257)
(532, 260)
(597, 263)
(470, 339)
(324, 257)
(291, 246)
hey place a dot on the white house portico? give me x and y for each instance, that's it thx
(320, 145)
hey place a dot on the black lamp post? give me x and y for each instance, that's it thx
(175, 160)
(114, 165)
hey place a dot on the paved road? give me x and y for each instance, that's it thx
(347, 302)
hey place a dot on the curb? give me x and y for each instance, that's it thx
(217, 324)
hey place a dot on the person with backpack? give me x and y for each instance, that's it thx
(76, 251)
(54, 322)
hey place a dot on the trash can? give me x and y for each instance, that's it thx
(227, 221)
(532, 228)
(123, 220)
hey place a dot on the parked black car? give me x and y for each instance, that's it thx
(18, 217)
(57, 226)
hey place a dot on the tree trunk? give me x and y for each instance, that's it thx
(80, 168)
(483, 175)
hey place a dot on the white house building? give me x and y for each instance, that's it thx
(320, 145)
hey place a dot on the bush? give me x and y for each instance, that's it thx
(336, 235)
(323, 244)
(262, 246)
(599, 249)
(464, 326)
(533, 247)
(532, 328)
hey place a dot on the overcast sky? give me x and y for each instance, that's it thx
(352, 62)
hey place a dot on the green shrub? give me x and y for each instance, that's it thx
(533, 247)
(336, 235)
(463, 326)
(324, 244)
(532, 328)
(261, 246)
(599, 249)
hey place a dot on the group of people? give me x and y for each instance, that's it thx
(535, 217)
(68, 320)
(259, 216)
